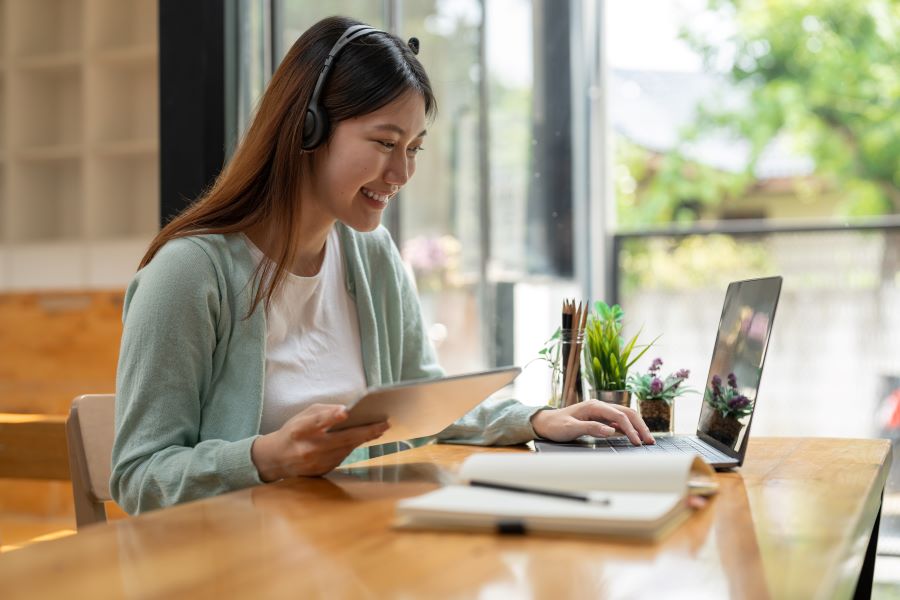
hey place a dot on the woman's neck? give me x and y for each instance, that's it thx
(310, 253)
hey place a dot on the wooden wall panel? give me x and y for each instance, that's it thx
(55, 346)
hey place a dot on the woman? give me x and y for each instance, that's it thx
(263, 308)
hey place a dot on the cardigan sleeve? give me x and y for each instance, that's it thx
(171, 318)
(494, 422)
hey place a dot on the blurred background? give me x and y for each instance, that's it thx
(643, 152)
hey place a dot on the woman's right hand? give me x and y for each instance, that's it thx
(304, 446)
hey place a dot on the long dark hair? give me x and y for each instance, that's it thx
(261, 181)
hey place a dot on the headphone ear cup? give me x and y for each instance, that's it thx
(315, 127)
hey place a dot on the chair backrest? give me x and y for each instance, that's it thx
(90, 430)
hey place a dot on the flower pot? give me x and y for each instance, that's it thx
(617, 397)
(658, 414)
(723, 429)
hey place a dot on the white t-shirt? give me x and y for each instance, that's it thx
(313, 351)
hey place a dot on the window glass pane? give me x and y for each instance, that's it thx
(481, 304)
(510, 67)
(296, 16)
(439, 208)
(481, 301)
(747, 110)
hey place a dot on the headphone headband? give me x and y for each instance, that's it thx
(315, 126)
(357, 31)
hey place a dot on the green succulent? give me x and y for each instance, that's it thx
(607, 354)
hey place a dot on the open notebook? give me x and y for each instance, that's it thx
(633, 496)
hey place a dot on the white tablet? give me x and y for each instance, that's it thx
(426, 406)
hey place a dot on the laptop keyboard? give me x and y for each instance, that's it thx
(665, 445)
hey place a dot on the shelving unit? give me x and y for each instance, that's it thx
(79, 150)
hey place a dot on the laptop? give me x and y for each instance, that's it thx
(737, 361)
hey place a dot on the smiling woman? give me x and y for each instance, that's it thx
(368, 159)
(277, 298)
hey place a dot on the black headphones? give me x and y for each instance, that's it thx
(315, 125)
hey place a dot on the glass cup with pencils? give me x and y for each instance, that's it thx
(567, 383)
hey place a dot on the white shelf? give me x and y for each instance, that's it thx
(63, 61)
(100, 265)
(130, 56)
(50, 153)
(4, 216)
(110, 262)
(148, 147)
(4, 268)
(47, 265)
(79, 141)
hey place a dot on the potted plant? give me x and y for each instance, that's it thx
(729, 405)
(608, 356)
(656, 395)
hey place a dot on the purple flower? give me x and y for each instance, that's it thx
(716, 382)
(656, 386)
(683, 374)
(732, 381)
(425, 254)
(655, 365)
(739, 402)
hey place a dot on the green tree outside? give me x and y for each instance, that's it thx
(822, 73)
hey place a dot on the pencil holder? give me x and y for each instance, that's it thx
(567, 364)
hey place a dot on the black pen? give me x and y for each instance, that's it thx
(590, 497)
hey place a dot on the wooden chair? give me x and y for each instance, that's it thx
(33, 447)
(90, 430)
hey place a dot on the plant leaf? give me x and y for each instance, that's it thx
(642, 352)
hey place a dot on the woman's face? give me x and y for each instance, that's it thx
(367, 161)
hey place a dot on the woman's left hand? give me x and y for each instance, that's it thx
(591, 417)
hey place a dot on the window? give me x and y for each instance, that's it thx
(487, 222)
(649, 152)
(744, 123)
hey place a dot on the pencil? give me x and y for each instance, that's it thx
(571, 374)
(579, 496)
(565, 334)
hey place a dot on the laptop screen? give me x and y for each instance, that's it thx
(729, 398)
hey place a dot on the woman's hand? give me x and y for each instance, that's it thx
(305, 447)
(591, 417)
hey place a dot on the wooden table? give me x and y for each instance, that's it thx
(794, 522)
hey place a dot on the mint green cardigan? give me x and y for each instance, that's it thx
(189, 386)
